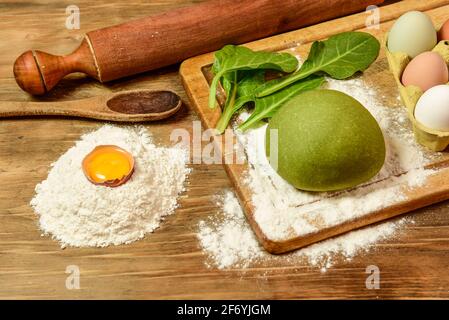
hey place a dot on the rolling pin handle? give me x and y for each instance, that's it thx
(28, 75)
(37, 72)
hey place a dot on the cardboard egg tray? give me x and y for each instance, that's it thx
(433, 139)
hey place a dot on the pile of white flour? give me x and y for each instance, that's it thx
(79, 213)
(282, 211)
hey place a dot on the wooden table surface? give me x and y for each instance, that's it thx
(168, 263)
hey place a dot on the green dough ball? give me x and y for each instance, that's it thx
(326, 141)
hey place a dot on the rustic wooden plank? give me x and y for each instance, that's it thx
(168, 263)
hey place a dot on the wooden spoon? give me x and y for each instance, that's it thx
(126, 106)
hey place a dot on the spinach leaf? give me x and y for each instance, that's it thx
(250, 82)
(220, 56)
(244, 92)
(230, 87)
(233, 58)
(267, 106)
(340, 57)
(228, 79)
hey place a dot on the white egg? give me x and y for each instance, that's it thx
(432, 109)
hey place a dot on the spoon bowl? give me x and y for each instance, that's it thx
(126, 106)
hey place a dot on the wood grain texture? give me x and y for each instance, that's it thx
(168, 263)
(143, 44)
(170, 37)
(125, 106)
(195, 74)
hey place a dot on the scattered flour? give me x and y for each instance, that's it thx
(230, 243)
(78, 213)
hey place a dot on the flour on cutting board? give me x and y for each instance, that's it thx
(282, 211)
(79, 213)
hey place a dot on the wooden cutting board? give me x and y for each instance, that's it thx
(195, 74)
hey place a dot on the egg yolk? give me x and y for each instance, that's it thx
(108, 165)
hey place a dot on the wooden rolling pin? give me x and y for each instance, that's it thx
(160, 40)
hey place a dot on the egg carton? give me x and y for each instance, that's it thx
(433, 139)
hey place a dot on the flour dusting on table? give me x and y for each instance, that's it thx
(229, 241)
(79, 213)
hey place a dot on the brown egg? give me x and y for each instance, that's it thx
(425, 71)
(443, 34)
